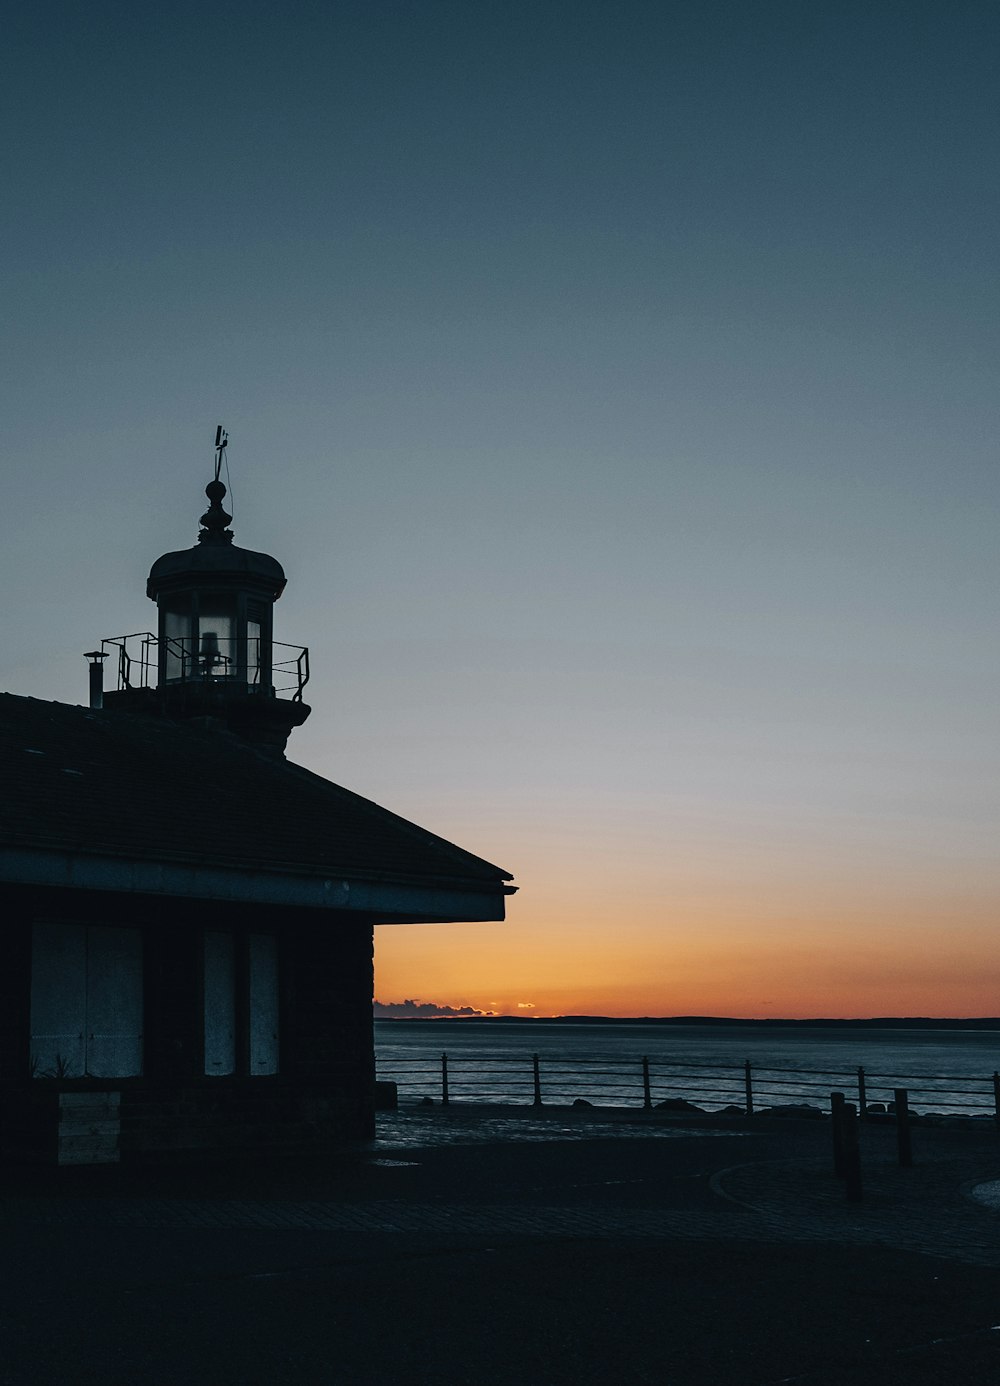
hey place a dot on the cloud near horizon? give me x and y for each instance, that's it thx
(420, 1010)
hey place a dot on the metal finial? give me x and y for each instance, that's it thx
(215, 519)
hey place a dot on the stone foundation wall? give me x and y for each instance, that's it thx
(239, 1119)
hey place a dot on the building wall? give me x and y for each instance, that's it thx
(15, 988)
(321, 1096)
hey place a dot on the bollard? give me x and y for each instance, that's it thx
(748, 1085)
(903, 1128)
(837, 1123)
(537, 1079)
(444, 1080)
(852, 1155)
(647, 1095)
(862, 1094)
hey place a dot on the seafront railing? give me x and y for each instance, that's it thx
(655, 1083)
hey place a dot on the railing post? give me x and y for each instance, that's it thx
(647, 1096)
(903, 1128)
(536, 1074)
(444, 1080)
(147, 662)
(837, 1100)
(996, 1096)
(748, 1086)
(852, 1155)
(862, 1094)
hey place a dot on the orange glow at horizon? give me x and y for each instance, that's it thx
(779, 979)
(799, 943)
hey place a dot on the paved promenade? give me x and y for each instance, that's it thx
(488, 1245)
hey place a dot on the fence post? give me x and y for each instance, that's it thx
(647, 1096)
(537, 1078)
(837, 1100)
(748, 1084)
(903, 1128)
(996, 1096)
(862, 1094)
(444, 1080)
(852, 1155)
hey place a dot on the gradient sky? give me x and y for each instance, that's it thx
(618, 385)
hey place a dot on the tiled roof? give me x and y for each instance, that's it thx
(144, 788)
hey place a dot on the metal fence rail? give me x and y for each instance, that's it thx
(647, 1083)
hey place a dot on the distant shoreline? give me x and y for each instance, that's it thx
(713, 1021)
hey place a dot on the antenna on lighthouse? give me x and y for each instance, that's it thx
(221, 441)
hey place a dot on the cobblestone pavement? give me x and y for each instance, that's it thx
(929, 1208)
(793, 1199)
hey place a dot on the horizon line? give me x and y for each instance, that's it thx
(705, 1019)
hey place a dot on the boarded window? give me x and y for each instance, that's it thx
(220, 1005)
(86, 1001)
(241, 1004)
(263, 1004)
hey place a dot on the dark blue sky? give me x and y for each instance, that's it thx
(617, 384)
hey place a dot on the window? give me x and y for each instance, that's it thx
(216, 645)
(86, 1001)
(255, 623)
(178, 654)
(241, 1004)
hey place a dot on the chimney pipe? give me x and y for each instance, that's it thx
(97, 658)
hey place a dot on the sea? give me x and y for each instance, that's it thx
(946, 1071)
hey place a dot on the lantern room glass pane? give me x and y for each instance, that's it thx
(177, 633)
(253, 652)
(216, 644)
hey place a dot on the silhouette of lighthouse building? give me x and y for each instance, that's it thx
(188, 915)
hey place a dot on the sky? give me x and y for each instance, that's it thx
(618, 386)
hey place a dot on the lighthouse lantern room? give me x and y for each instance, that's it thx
(214, 654)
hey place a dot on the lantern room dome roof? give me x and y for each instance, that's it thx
(215, 562)
(216, 559)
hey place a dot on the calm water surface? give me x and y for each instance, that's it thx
(944, 1070)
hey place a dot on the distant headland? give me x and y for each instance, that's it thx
(713, 1021)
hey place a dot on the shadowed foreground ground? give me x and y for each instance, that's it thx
(632, 1253)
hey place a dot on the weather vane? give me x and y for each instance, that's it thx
(221, 440)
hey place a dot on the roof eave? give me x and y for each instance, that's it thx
(411, 901)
